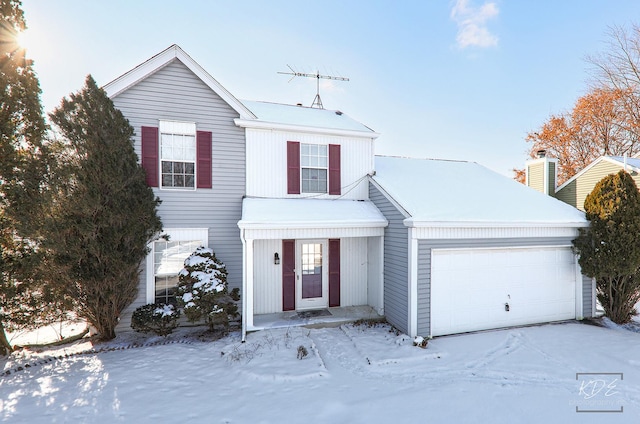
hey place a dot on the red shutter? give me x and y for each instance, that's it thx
(203, 155)
(335, 184)
(288, 275)
(334, 272)
(293, 167)
(150, 159)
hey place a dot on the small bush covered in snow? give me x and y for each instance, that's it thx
(420, 342)
(203, 292)
(159, 318)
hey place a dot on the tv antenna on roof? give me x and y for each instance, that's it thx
(317, 101)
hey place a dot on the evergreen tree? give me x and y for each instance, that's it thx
(203, 290)
(104, 214)
(610, 249)
(24, 300)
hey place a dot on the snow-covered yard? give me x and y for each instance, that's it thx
(351, 374)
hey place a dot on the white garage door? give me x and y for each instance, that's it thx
(470, 288)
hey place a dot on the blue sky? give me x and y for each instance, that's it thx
(462, 79)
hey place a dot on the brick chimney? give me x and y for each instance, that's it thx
(541, 173)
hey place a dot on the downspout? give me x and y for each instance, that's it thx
(244, 285)
(625, 162)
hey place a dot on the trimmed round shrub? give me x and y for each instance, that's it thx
(158, 318)
(203, 291)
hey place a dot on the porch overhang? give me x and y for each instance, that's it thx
(310, 218)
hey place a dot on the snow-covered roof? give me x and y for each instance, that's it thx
(456, 192)
(307, 117)
(309, 213)
(634, 162)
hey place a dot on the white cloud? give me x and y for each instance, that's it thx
(472, 24)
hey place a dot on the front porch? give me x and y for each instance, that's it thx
(301, 256)
(325, 317)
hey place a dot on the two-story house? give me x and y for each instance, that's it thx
(279, 192)
(294, 202)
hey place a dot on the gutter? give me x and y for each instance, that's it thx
(411, 222)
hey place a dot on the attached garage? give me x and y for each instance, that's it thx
(467, 249)
(479, 289)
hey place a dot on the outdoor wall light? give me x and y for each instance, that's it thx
(276, 258)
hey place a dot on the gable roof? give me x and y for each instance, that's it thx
(632, 162)
(300, 118)
(443, 192)
(161, 60)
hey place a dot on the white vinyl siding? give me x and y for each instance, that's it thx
(267, 277)
(267, 163)
(353, 271)
(267, 283)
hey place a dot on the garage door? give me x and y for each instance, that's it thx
(471, 288)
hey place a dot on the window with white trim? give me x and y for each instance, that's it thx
(178, 155)
(314, 162)
(166, 260)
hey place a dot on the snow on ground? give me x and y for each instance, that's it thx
(350, 374)
(48, 334)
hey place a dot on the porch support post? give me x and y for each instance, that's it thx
(413, 284)
(247, 284)
(381, 275)
(248, 295)
(580, 313)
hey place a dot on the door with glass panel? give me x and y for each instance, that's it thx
(312, 274)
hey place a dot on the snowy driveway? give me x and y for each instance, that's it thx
(349, 375)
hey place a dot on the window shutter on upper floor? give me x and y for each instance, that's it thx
(203, 157)
(150, 159)
(293, 167)
(335, 183)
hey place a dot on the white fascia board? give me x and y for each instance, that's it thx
(161, 60)
(411, 222)
(248, 225)
(264, 125)
(390, 198)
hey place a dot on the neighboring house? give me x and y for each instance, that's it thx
(294, 202)
(467, 249)
(541, 175)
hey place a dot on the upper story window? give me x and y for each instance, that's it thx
(314, 162)
(178, 154)
(313, 168)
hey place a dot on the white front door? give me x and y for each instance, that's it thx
(312, 282)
